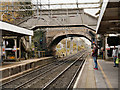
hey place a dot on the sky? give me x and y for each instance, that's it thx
(90, 11)
(86, 40)
(65, 1)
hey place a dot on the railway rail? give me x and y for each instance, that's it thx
(62, 80)
(25, 80)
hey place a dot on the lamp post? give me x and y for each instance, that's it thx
(71, 45)
(66, 41)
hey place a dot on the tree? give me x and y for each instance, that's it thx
(15, 16)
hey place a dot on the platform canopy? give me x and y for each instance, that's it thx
(109, 19)
(12, 30)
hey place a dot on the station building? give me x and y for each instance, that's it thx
(14, 41)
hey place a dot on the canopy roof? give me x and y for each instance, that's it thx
(9, 29)
(109, 19)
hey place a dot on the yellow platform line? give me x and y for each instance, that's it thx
(106, 78)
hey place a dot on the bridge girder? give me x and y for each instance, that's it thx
(78, 18)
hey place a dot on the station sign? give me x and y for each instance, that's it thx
(3, 49)
(107, 48)
(8, 48)
(13, 49)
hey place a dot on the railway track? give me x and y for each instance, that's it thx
(43, 82)
(62, 80)
(34, 76)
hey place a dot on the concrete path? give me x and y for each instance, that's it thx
(87, 78)
(105, 77)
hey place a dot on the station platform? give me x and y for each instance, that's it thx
(18, 63)
(9, 70)
(105, 77)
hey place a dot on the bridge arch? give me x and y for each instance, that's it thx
(57, 39)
